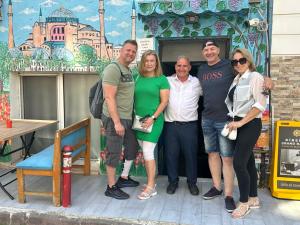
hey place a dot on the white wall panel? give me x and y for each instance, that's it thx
(285, 45)
(286, 6)
(286, 24)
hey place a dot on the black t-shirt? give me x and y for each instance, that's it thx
(215, 81)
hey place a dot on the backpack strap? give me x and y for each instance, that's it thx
(120, 68)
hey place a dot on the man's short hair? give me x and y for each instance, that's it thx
(209, 43)
(183, 57)
(132, 42)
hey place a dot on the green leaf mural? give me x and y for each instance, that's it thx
(253, 10)
(194, 34)
(204, 4)
(260, 69)
(178, 5)
(146, 27)
(164, 6)
(262, 47)
(230, 31)
(221, 5)
(196, 26)
(146, 7)
(185, 32)
(167, 33)
(207, 31)
(164, 24)
(237, 39)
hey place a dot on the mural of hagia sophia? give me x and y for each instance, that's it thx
(62, 31)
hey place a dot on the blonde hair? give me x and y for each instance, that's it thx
(157, 70)
(245, 52)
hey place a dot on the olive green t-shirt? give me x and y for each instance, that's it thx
(125, 91)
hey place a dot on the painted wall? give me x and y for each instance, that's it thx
(58, 35)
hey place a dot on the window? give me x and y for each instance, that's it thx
(62, 30)
(54, 31)
(42, 96)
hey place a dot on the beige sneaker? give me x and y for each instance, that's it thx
(147, 193)
(254, 202)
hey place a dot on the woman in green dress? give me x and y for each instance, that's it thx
(151, 98)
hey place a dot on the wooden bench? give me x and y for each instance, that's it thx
(48, 162)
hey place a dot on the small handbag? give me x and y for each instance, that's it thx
(138, 122)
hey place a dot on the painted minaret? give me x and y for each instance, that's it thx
(103, 50)
(11, 42)
(40, 15)
(133, 21)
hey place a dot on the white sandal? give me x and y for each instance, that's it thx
(147, 193)
(254, 203)
(241, 211)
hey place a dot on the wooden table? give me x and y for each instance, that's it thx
(20, 127)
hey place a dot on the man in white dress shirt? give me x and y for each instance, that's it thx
(181, 128)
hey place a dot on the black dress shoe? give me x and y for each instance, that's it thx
(193, 189)
(172, 188)
(116, 192)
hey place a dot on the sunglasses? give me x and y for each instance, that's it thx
(242, 61)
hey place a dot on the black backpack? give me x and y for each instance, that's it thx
(96, 99)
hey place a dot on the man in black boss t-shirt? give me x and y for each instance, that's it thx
(216, 77)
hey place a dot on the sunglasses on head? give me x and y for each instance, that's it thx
(242, 61)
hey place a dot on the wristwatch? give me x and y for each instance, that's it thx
(153, 117)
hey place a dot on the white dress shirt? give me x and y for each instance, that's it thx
(183, 101)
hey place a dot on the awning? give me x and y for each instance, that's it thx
(149, 7)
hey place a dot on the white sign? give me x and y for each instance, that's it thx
(144, 44)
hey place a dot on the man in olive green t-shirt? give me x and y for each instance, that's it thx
(118, 90)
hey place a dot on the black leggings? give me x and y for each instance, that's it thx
(243, 158)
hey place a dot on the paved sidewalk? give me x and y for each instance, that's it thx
(90, 206)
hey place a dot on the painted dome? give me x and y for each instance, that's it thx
(15, 53)
(62, 15)
(62, 12)
(62, 54)
(40, 53)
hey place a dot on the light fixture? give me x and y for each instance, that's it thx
(191, 18)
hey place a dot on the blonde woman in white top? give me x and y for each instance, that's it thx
(245, 102)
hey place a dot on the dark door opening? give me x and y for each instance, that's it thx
(169, 50)
(203, 169)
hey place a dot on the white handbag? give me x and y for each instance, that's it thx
(137, 125)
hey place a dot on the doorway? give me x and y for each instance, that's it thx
(169, 50)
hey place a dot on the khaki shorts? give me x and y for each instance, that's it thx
(114, 142)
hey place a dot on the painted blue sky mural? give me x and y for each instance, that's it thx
(26, 12)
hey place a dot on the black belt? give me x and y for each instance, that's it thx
(182, 122)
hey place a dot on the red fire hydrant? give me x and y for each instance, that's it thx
(67, 166)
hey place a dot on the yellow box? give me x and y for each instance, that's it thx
(285, 167)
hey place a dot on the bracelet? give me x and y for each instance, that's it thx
(153, 117)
